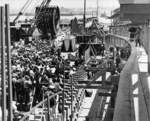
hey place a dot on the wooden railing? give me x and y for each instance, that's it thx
(123, 30)
(143, 88)
(41, 110)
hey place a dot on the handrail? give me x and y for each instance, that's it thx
(123, 30)
(144, 40)
(119, 36)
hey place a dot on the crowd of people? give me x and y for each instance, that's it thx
(37, 67)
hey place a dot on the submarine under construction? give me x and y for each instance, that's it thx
(77, 70)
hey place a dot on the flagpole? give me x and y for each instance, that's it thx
(84, 16)
(97, 8)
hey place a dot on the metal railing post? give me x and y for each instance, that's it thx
(10, 117)
(63, 103)
(71, 100)
(3, 74)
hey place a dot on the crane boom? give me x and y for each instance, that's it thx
(26, 5)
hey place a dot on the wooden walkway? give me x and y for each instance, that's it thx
(130, 103)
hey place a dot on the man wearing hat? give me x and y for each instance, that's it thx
(138, 35)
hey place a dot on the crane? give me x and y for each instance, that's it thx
(46, 20)
(23, 9)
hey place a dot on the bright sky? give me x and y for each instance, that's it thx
(17, 4)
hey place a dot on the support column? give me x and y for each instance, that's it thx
(135, 115)
(10, 117)
(3, 70)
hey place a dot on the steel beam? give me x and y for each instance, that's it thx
(96, 76)
(3, 79)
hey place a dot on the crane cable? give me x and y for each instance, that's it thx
(28, 2)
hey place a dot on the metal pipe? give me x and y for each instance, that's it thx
(2, 38)
(10, 117)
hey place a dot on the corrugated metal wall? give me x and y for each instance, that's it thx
(134, 1)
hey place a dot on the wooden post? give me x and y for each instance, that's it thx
(2, 38)
(48, 106)
(148, 39)
(10, 117)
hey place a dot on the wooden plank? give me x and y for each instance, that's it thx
(95, 87)
(95, 82)
(106, 94)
